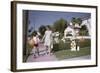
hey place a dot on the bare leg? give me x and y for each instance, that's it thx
(38, 51)
(34, 52)
(47, 50)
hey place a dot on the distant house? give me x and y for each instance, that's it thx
(74, 30)
(87, 22)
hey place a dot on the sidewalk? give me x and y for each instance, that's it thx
(43, 56)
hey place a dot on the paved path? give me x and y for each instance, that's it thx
(43, 56)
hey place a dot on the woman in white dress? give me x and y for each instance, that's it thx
(48, 40)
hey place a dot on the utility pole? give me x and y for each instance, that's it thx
(25, 30)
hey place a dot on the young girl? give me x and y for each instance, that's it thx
(35, 49)
(48, 40)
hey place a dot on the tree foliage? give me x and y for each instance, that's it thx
(84, 30)
(60, 25)
(76, 21)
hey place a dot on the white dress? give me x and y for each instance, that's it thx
(48, 40)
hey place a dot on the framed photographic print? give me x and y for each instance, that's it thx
(47, 36)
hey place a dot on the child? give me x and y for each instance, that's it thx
(35, 49)
(48, 40)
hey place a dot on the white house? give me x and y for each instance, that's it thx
(87, 22)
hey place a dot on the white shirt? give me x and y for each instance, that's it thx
(48, 38)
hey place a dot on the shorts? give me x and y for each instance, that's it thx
(36, 45)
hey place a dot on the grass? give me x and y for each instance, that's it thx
(66, 54)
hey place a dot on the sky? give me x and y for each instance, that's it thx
(38, 18)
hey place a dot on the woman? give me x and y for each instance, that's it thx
(48, 40)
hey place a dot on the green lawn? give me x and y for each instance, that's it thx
(66, 54)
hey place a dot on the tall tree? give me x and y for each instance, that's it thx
(60, 25)
(73, 20)
(79, 21)
(84, 31)
(76, 21)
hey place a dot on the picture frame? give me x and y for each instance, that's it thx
(19, 34)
